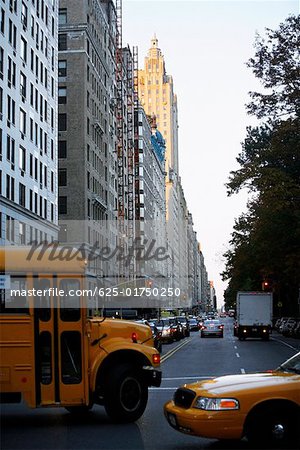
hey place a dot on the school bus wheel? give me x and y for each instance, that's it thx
(126, 394)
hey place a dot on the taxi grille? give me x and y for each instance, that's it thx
(184, 397)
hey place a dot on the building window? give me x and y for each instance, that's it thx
(22, 232)
(35, 203)
(23, 49)
(1, 62)
(45, 208)
(10, 150)
(31, 199)
(45, 176)
(62, 122)
(62, 16)
(62, 95)
(22, 194)
(62, 177)
(62, 205)
(22, 122)
(62, 149)
(52, 181)
(10, 188)
(10, 229)
(62, 42)
(22, 159)
(23, 85)
(31, 165)
(62, 68)
(12, 34)
(24, 14)
(11, 73)
(2, 21)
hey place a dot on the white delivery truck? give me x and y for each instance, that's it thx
(254, 314)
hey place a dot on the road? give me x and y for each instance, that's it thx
(190, 359)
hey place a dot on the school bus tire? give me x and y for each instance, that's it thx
(126, 394)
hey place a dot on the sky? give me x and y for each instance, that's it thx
(206, 45)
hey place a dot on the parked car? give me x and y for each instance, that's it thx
(212, 327)
(296, 330)
(277, 323)
(289, 325)
(282, 323)
(264, 407)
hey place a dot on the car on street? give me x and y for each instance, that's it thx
(184, 321)
(170, 329)
(263, 407)
(193, 324)
(156, 336)
(212, 327)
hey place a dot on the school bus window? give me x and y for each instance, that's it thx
(45, 355)
(14, 299)
(43, 302)
(70, 342)
(69, 302)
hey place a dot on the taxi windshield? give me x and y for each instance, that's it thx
(291, 365)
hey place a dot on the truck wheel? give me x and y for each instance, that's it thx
(126, 394)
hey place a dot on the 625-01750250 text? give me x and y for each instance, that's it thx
(137, 292)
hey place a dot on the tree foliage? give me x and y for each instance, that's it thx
(276, 64)
(265, 240)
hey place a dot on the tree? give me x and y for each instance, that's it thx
(276, 64)
(265, 240)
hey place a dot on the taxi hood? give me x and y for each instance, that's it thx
(231, 384)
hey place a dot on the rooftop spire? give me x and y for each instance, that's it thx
(154, 41)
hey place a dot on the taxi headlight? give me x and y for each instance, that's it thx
(216, 404)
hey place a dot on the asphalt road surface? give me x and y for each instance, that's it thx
(185, 361)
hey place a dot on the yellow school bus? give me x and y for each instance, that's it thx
(54, 354)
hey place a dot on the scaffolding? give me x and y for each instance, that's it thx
(136, 131)
(130, 154)
(119, 112)
(120, 137)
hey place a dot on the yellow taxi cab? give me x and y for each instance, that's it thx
(264, 407)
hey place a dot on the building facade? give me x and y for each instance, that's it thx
(150, 193)
(87, 174)
(157, 97)
(28, 116)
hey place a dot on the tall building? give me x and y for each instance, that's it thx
(157, 97)
(150, 193)
(87, 175)
(28, 117)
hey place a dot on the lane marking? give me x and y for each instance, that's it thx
(235, 347)
(237, 355)
(285, 343)
(243, 371)
(174, 350)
